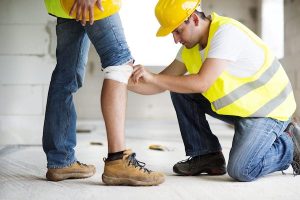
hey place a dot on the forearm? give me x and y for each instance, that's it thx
(144, 88)
(180, 84)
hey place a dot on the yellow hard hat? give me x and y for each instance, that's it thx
(110, 8)
(171, 13)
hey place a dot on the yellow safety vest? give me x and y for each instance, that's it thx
(267, 93)
(61, 8)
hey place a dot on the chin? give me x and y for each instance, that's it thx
(188, 46)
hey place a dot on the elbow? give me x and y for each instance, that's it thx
(152, 92)
(204, 86)
(200, 88)
(200, 85)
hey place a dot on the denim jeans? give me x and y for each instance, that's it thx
(73, 42)
(259, 147)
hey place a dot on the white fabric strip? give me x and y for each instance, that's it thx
(119, 73)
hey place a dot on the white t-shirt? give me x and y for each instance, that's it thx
(230, 43)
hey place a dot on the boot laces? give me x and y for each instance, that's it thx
(81, 164)
(134, 162)
(186, 160)
(191, 161)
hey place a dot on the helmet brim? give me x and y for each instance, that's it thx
(163, 31)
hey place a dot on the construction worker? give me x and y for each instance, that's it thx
(224, 70)
(74, 34)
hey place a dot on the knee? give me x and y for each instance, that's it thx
(65, 81)
(239, 172)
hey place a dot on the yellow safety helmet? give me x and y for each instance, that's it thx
(171, 13)
(110, 8)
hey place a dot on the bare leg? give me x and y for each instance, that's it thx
(113, 104)
(125, 170)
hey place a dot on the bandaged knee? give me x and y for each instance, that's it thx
(119, 73)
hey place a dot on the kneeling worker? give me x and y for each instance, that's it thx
(224, 70)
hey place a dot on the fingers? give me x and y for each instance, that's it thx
(91, 12)
(136, 67)
(78, 13)
(137, 73)
(83, 19)
(73, 8)
(134, 74)
(99, 5)
(82, 8)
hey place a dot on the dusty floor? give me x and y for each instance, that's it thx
(23, 168)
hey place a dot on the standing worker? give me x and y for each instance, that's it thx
(232, 76)
(59, 135)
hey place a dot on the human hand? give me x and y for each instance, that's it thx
(141, 73)
(84, 7)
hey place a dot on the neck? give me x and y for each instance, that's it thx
(205, 33)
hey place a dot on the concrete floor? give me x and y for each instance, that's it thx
(23, 168)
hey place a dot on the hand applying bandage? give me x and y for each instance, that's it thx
(141, 73)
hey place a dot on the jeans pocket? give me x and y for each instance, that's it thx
(62, 21)
(68, 24)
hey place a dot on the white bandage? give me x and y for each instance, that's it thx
(118, 73)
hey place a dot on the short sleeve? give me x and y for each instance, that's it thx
(179, 55)
(227, 43)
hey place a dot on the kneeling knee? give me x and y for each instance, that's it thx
(239, 173)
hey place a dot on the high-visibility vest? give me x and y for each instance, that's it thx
(55, 8)
(61, 8)
(267, 93)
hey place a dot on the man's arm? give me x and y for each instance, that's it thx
(82, 7)
(176, 68)
(198, 83)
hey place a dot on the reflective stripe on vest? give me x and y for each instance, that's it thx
(274, 103)
(267, 93)
(247, 87)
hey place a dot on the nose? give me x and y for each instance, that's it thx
(176, 38)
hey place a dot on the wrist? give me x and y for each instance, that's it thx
(154, 79)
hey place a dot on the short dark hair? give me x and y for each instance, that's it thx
(200, 14)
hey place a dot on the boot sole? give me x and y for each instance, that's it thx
(127, 181)
(211, 172)
(61, 177)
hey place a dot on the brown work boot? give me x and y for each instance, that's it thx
(129, 171)
(74, 171)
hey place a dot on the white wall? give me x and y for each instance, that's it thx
(291, 60)
(244, 11)
(272, 25)
(25, 69)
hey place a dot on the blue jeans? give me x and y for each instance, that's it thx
(259, 147)
(73, 42)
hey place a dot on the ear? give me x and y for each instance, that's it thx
(195, 18)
